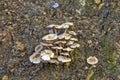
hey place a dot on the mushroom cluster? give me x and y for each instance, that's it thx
(57, 46)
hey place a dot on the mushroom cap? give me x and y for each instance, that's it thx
(45, 44)
(46, 55)
(54, 60)
(65, 53)
(58, 27)
(38, 48)
(67, 25)
(68, 49)
(72, 33)
(51, 26)
(50, 37)
(73, 39)
(67, 36)
(58, 42)
(35, 58)
(70, 43)
(92, 60)
(57, 47)
(75, 45)
(61, 36)
(64, 59)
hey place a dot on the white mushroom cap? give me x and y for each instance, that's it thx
(58, 27)
(67, 49)
(46, 55)
(67, 36)
(64, 59)
(35, 58)
(75, 45)
(73, 39)
(38, 48)
(58, 42)
(72, 33)
(65, 54)
(57, 47)
(53, 60)
(70, 43)
(51, 26)
(50, 37)
(45, 44)
(67, 24)
(92, 60)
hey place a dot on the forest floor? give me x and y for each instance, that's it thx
(97, 24)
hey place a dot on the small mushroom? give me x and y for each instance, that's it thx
(53, 60)
(45, 44)
(51, 26)
(70, 43)
(73, 39)
(58, 42)
(75, 45)
(72, 33)
(46, 55)
(92, 60)
(58, 27)
(50, 37)
(38, 48)
(35, 58)
(67, 36)
(61, 36)
(57, 47)
(64, 59)
(65, 53)
(68, 49)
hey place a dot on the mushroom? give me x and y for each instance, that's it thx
(72, 33)
(50, 37)
(75, 45)
(92, 60)
(46, 55)
(57, 47)
(67, 49)
(51, 26)
(58, 27)
(73, 39)
(65, 53)
(38, 48)
(67, 36)
(58, 42)
(70, 43)
(64, 59)
(35, 58)
(53, 60)
(45, 44)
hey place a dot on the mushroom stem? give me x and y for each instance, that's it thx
(66, 30)
(55, 31)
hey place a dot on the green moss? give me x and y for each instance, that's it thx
(108, 48)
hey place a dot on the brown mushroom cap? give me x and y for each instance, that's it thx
(67, 49)
(72, 33)
(64, 59)
(50, 37)
(35, 58)
(45, 44)
(70, 42)
(53, 60)
(75, 45)
(73, 39)
(57, 47)
(92, 60)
